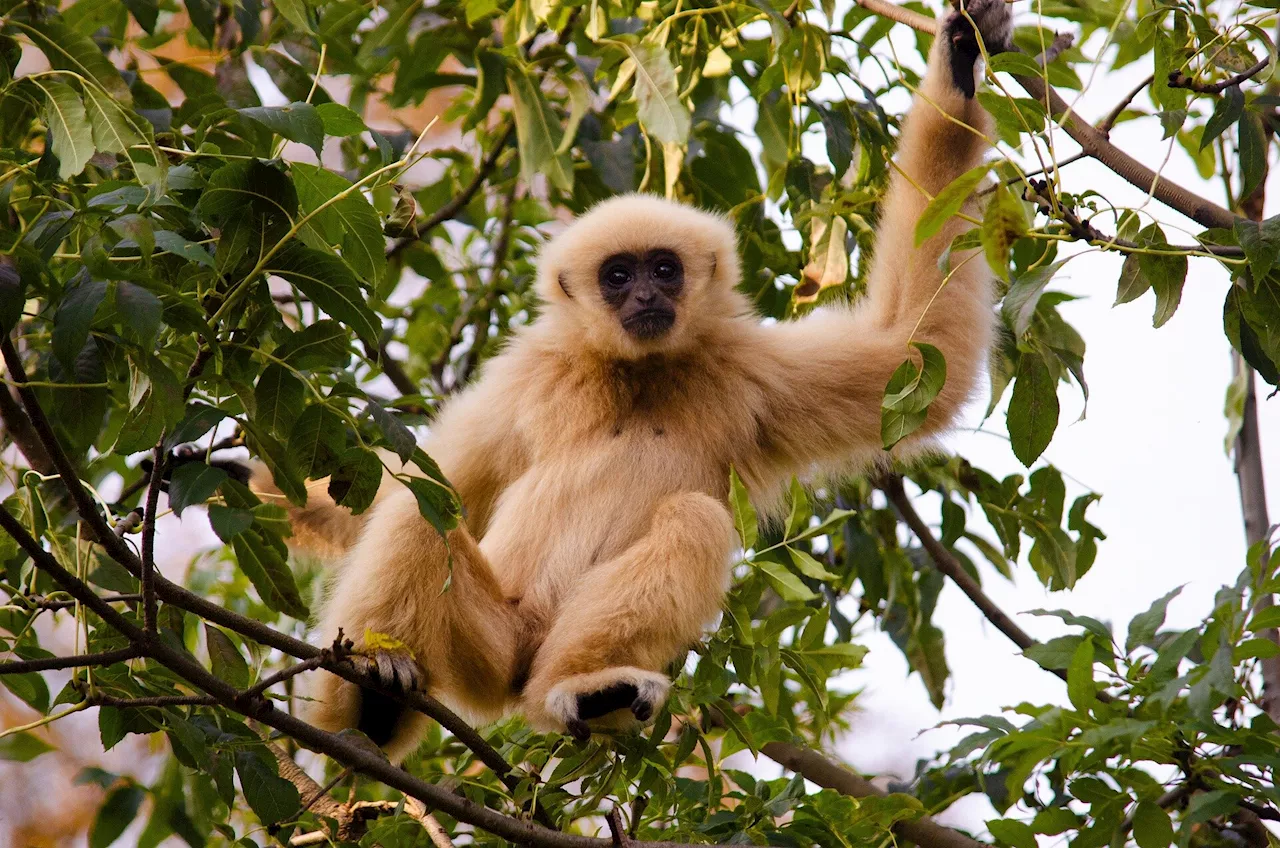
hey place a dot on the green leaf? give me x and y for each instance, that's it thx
(1033, 409)
(329, 284)
(348, 222)
(193, 483)
(115, 130)
(661, 113)
(538, 132)
(69, 50)
(265, 566)
(296, 121)
(1252, 148)
(1261, 243)
(23, 747)
(225, 657)
(72, 135)
(229, 522)
(491, 71)
(1080, 688)
(272, 798)
(317, 440)
(910, 391)
(295, 12)
(786, 584)
(1143, 626)
(744, 514)
(254, 189)
(339, 120)
(1020, 302)
(278, 397)
(115, 815)
(1004, 222)
(402, 441)
(72, 321)
(1010, 832)
(171, 242)
(323, 344)
(355, 482)
(839, 138)
(30, 687)
(810, 567)
(1152, 827)
(436, 503)
(1015, 63)
(948, 202)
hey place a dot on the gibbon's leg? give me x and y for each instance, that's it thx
(462, 638)
(630, 617)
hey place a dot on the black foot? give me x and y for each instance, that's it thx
(619, 696)
(380, 714)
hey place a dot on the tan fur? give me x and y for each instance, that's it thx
(594, 467)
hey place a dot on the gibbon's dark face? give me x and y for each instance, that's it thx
(643, 290)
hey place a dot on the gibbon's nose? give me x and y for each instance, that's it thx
(644, 296)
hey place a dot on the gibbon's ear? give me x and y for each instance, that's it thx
(715, 263)
(563, 287)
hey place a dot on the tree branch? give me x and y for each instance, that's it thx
(816, 768)
(1094, 142)
(343, 750)
(1109, 122)
(951, 567)
(1177, 79)
(454, 206)
(79, 661)
(18, 426)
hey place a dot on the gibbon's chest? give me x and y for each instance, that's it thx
(602, 456)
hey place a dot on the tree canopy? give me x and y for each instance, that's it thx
(290, 230)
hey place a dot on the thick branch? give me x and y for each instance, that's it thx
(1094, 142)
(816, 768)
(18, 426)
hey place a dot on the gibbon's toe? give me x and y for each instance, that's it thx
(395, 669)
(601, 696)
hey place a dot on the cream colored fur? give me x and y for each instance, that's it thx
(593, 467)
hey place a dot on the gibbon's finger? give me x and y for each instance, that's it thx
(386, 667)
(641, 708)
(408, 673)
(578, 729)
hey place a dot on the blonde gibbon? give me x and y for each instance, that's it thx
(592, 456)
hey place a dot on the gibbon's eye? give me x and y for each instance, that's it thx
(665, 270)
(617, 276)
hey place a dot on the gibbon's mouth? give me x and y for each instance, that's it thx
(649, 324)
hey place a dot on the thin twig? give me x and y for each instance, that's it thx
(456, 204)
(1177, 79)
(1109, 122)
(100, 700)
(78, 661)
(284, 674)
(38, 602)
(149, 609)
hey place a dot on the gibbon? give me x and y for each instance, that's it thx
(592, 457)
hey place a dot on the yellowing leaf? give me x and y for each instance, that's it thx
(657, 97)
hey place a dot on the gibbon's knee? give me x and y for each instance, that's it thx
(699, 522)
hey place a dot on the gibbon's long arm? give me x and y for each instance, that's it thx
(823, 401)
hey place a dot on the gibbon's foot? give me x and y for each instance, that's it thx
(994, 20)
(584, 697)
(395, 669)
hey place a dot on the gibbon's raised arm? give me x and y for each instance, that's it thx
(824, 399)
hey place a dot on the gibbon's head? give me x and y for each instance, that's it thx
(638, 275)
